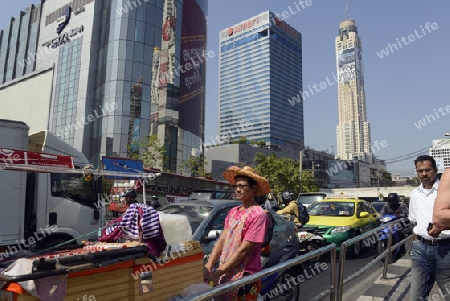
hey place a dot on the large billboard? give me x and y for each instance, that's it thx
(347, 73)
(192, 80)
(347, 65)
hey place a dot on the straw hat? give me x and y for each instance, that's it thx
(232, 172)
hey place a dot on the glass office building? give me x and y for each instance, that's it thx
(260, 72)
(118, 72)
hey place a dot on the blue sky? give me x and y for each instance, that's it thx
(408, 85)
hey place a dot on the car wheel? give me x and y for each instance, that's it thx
(291, 293)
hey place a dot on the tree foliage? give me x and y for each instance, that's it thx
(309, 181)
(261, 143)
(284, 174)
(195, 166)
(150, 150)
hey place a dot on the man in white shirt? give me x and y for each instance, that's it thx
(430, 256)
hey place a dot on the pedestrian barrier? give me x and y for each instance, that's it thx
(374, 232)
(227, 287)
(336, 288)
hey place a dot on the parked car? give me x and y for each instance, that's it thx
(212, 194)
(341, 219)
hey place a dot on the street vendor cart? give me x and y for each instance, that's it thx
(106, 272)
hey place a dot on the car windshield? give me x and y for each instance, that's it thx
(200, 196)
(310, 198)
(194, 213)
(378, 206)
(332, 209)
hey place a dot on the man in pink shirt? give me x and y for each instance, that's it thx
(239, 246)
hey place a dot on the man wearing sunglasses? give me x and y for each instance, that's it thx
(430, 255)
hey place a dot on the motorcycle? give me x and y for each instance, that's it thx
(310, 240)
(383, 235)
(280, 286)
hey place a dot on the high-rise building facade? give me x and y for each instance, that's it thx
(113, 72)
(440, 151)
(260, 69)
(353, 130)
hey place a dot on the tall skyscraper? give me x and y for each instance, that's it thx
(353, 130)
(260, 69)
(102, 74)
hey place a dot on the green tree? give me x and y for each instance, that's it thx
(242, 140)
(150, 150)
(283, 174)
(309, 181)
(195, 166)
(261, 143)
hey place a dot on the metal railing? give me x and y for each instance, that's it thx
(374, 232)
(227, 287)
(336, 288)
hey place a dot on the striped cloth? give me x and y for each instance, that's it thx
(149, 221)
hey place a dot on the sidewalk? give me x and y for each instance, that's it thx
(397, 285)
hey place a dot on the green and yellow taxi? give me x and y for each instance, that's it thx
(340, 219)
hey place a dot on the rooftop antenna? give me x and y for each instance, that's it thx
(346, 10)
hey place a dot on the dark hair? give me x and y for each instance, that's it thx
(131, 193)
(426, 158)
(250, 181)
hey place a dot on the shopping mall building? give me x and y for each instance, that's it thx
(102, 74)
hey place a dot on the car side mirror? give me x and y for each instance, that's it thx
(213, 234)
(364, 214)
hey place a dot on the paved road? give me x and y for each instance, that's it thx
(316, 282)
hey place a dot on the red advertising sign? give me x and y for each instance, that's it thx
(286, 27)
(243, 26)
(20, 157)
(11, 156)
(42, 159)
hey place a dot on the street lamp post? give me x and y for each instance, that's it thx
(301, 168)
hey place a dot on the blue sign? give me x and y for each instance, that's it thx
(121, 165)
(64, 19)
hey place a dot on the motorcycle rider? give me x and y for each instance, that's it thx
(291, 206)
(130, 196)
(395, 207)
(155, 202)
(273, 201)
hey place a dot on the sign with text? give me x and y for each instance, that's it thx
(20, 157)
(121, 165)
